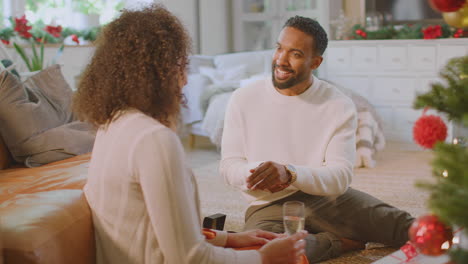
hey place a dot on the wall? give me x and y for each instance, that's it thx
(215, 27)
(185, 10)
(207, 21)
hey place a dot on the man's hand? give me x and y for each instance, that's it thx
(270, 176)
(250, 238)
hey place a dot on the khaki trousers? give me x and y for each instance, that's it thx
(354, 215)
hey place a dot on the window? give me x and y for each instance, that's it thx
(1, 13)
(79, 14)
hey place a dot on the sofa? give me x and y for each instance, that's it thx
(213, 79)
(216, 77)
(44, 216)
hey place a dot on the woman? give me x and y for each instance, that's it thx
(142, 195)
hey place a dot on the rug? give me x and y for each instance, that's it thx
(398, 167)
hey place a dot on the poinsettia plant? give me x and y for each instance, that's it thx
(36, 37)
(23, 30)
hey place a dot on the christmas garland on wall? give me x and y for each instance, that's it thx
(410, 31)
(454, 13)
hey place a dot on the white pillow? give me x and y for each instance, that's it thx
(197, 61)
(231, 75)
(196, 86)
(256, 61)
(254, 78)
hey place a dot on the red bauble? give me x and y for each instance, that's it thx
(430, 236)
(429, 129)
(446, 5)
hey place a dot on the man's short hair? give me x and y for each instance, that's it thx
(312, 28)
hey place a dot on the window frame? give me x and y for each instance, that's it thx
(17, 8)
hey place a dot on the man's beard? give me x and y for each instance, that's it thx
(297, 78)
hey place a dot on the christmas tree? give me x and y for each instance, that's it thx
(449, 193)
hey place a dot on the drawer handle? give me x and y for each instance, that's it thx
(396, 59)
(368, 59)
(396, 90)
(340, 59)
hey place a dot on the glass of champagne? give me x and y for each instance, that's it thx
(293, 217)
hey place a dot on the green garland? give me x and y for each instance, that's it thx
(449, 193)
(414, 31)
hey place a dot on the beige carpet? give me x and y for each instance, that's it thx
(398, 167)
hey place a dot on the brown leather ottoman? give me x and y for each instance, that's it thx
(44, 216)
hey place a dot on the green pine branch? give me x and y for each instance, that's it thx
(450, 97)
(449, 195)
(459, 255)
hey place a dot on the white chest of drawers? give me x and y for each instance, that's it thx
(390, 73)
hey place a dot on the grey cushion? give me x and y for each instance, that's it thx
(36, 121)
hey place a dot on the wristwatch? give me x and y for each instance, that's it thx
(292, 171)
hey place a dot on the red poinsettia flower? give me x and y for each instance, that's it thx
(361, 33)
(459, 33)
(40, 40)
(75, 39)
(432, 32)
(6, 42)
(21, 26)
(54, 31)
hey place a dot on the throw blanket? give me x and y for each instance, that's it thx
(215, 89)
(369, 134)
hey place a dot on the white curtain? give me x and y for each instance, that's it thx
(13, 8)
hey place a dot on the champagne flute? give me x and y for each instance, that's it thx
(293, 217)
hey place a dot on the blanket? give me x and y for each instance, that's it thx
(369, 135)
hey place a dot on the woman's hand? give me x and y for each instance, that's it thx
(284, 250)
(249, 238)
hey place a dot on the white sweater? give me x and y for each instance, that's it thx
(144, 199)
(314, 132)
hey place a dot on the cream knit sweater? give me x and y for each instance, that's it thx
(144, 200)
(314, 132)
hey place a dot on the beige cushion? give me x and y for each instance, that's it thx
(36, 122)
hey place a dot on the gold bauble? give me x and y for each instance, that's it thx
(458, 19)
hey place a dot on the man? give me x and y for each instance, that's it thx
(292, 137)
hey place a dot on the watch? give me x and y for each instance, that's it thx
(292, 171)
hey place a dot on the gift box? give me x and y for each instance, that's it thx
(406, 255)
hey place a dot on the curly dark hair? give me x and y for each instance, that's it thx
(312, 28)
(138, 63)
